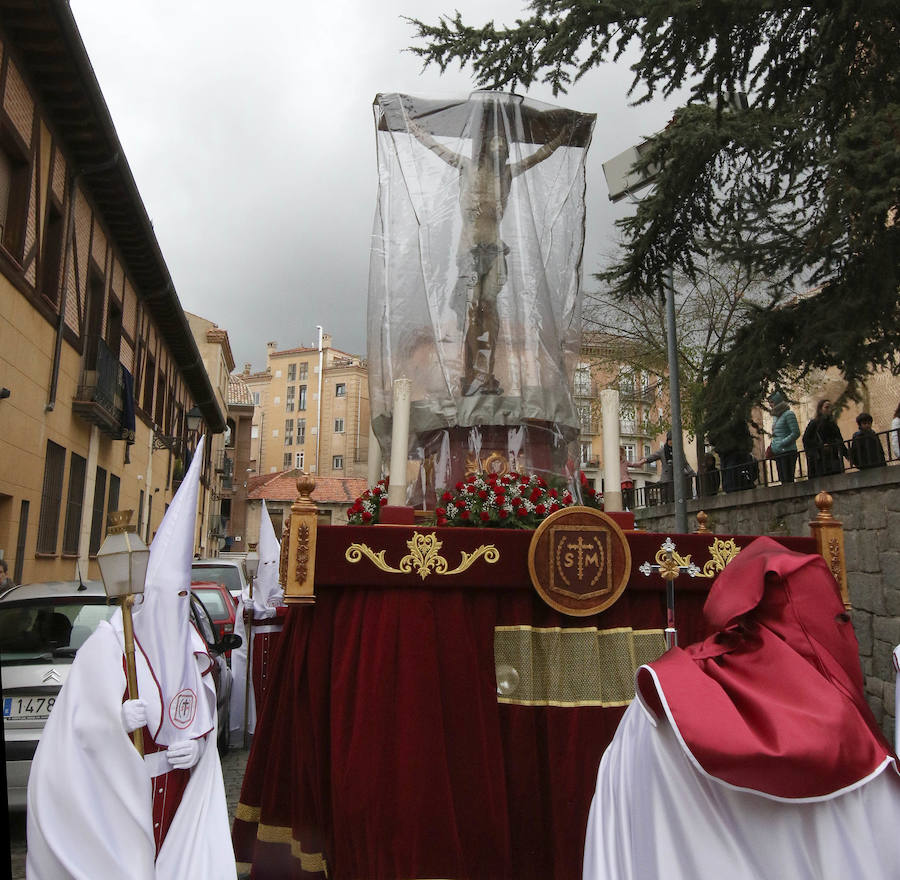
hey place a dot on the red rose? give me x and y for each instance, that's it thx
(366, 516)
(485, 516)
(464, 514)
(554, 507)
(553, 493)
(447, 496)
(535, 494)
(482, 494)
(503, 514)
(470, 478)
(540, 509)
(459, 487)
(439, 511)
(383, 500)
(442, 521)
(522, 511)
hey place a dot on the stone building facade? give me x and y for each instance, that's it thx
(295, 427)
(98, 365)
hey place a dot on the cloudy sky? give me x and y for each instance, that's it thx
(249, 130)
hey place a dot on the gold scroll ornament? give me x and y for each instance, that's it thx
(424, 557)
(721, 552)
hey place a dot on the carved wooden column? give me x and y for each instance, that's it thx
(300, 563)
(829, 535)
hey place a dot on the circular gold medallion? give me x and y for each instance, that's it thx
(579, 561)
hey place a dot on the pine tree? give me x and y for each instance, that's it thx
(802, 188)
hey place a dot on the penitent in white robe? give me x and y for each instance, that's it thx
(657, 816)
(90, 795)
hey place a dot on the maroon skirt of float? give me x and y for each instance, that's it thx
(444, 727)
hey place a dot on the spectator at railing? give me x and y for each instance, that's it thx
(865, 447)
(708, 475)
(733, 443)
(895, 435)
(823, 443)
(666, 470)
(785, 432)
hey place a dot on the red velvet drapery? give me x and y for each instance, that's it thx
(383, 750)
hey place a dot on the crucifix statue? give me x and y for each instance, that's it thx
(485, 180)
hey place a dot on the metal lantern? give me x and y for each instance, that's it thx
(123, 557)
(251, 562)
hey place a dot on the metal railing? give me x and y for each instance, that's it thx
(102, 386)
(793, 467)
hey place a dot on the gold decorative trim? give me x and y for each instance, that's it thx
(670, 563)
(302, 552)
(424, 557)
(312, 863)
(834, 557)
(246, 814)
(721, 552)
(581, 666)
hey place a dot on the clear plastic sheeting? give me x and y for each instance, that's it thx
(474, 284)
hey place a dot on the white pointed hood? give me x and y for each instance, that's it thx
(267, 592)
(162, 622)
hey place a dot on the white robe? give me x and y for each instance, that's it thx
(90, 793)
(656, 816)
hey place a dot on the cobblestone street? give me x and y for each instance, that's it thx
(233, 766)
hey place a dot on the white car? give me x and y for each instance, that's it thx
(41, 628)
(225, 571)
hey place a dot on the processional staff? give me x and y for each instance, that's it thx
(670, 565)
(123, 558)
(251, 567)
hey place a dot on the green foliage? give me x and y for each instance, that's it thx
(802, 189)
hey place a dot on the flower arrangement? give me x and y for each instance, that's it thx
(366, 510)
(512, 500)
(590, 497)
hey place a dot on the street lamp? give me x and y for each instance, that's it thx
(194, 418)
(622, 180)
(123, 559)
(251, 566)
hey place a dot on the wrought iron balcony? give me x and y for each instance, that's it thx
(100, 395)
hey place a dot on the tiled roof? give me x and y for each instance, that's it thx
(283, 487)
(238, 392)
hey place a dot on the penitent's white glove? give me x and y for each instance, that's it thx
(134, 715)
(183, 755)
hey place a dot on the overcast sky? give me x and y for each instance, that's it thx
(250, 133)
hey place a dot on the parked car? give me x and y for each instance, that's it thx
(221, 671)
(42, 626)
(219, 603)
(228, 572)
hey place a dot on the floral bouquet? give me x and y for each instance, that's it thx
(590, 497)
(512, 501)
(366, 510)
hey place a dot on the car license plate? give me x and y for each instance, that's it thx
(27, 708)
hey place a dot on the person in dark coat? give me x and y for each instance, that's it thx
(823, 443)
(865, 447)
(708, 476)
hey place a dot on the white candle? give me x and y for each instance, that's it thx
(374, 457)
(399, 442)
(612, 481)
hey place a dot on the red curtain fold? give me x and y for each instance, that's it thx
(383, 750)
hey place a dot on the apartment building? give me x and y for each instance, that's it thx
(641, 408)
(311, 417)
(104, 393)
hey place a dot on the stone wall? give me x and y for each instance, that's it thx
(868, 504)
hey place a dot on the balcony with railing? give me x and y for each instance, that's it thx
(225, 468)
(100, 396)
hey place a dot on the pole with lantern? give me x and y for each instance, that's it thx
(123, 558)
(251, 566)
